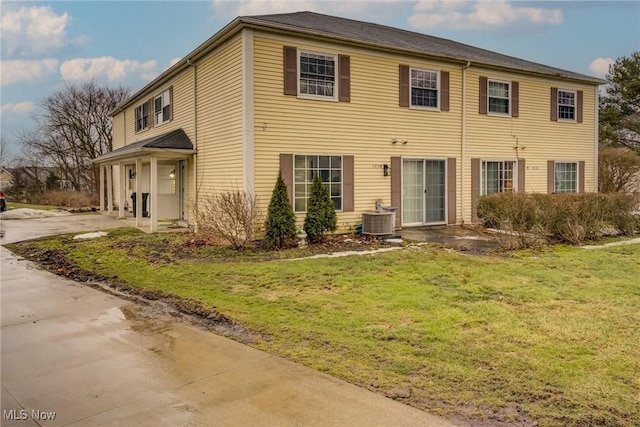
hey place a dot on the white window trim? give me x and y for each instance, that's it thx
(575, 106)
(135, 117)
(161, 95)
(515, 173)
(575, 162)
(341, 178)
(493, 113)
(446, 190)
(336, 76)
(421, 107)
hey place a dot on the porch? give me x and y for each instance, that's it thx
(150, 181)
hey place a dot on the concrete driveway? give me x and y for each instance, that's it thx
(75, 356)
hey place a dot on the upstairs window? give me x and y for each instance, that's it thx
(499, 97)
(424, 88)
(566, 105)
(142, 117)
(162, 107)
(317, 76)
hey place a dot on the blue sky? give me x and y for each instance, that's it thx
(45, 43)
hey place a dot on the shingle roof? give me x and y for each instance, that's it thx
(174, 140)
(394, 38)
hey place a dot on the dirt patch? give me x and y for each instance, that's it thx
(153, 301)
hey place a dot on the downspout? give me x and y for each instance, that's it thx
(463, 142)
(596, 138)
(195, 142)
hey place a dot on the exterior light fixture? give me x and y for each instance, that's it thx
(172, 174)
(385, 170)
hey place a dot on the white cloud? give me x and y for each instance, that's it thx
(105, 67)
(21, 71)
(34, 30)
(481, 14)
(600, 66)
(20, 108)
(174, 61)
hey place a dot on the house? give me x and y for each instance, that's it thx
(420, 123)
(6, 178)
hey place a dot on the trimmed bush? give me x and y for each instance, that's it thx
(321, 212)
(527, 220)
(280, 225)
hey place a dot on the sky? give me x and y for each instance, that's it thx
(47, 44)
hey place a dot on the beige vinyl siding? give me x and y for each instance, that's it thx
(118, 129)
(182, 110)
(219, 108)
(539, 138)
(363, 127)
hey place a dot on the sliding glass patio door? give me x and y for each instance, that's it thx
(423, 191)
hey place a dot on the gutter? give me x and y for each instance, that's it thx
(128, 154)
(242, 22)
(224, 34)
(463, 142)
(286, 28)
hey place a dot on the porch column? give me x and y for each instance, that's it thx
(153, 190)
(101, 188)
(122, 169)
(138, 194)
(109, 170)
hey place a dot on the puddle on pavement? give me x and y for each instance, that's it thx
(458, 238)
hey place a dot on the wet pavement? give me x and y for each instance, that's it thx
(458, 238)
(74, 356)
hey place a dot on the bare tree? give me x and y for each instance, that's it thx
(4, 151)
(619, 170)
(75, 128)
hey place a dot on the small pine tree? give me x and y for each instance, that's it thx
(321, 212)
(281, 221)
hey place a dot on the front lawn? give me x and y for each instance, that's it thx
(552, 337)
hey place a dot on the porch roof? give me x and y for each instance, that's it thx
(174, 144)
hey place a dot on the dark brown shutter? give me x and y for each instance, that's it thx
(475, 188)
(396, 188)
(521, 175)
(344, 69)
(554, 104)
(151, 112)
(581, 177)
(515, 103)
(579, 97)
(347, 183)
(404, 87)
(451, 190)
(170, 102)
(290, 55)
(286, 169)
(551, 176)
(482, 101)
(444, 91)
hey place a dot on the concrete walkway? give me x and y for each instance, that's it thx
(74, 356)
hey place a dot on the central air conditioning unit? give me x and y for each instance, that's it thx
(378, 223)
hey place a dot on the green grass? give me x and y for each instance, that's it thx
(551, 336)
